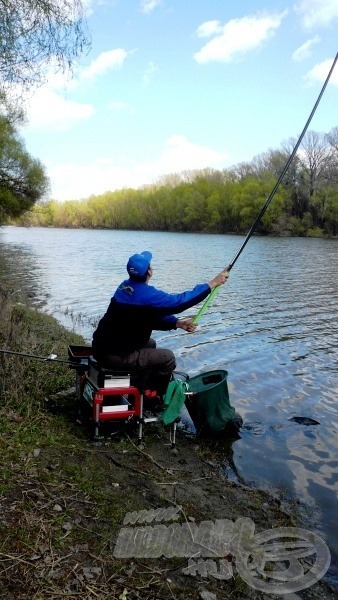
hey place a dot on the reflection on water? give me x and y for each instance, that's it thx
(273, 327)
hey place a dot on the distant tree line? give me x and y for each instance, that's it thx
(220, 201)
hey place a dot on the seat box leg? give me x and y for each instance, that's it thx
(97, 404)
(173, 429)
(140, 422)
(140, 431)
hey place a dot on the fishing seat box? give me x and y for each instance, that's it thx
(112, 404)
(106, 395)
(109, 395)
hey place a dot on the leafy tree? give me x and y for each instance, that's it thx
(327, 203)
(213, 212)
(35, 34)
(332, 140)
(195, 209)
(22, 179)
(294, 226)
(241, 171)
(314, 157)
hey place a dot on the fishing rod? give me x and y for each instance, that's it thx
(51, 357)
(269, 198)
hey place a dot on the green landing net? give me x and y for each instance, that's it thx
(209, 405)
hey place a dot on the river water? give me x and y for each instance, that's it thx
(273, 327)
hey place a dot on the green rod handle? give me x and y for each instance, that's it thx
(205, 305)
(208, 300)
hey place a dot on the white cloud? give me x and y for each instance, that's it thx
(316, 13)
(238, 36)
(179, 154)
(119, 105)
(46, 109)
(71, 181)
(305, 50)
(111, 59)
(149, 73)
(320, 72)
(209, 28)
(149, 5)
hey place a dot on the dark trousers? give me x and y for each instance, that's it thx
(150, 367)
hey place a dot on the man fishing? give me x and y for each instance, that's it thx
(122, 340)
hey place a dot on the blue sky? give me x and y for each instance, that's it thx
(174, 85)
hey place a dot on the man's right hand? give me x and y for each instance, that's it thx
(221, 278)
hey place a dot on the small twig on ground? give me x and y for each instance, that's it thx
(148, 456)
(15, 558)
(170, 589)
(62, 594)
(118, 464)
(168, 483)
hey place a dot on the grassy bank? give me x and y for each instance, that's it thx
(63, 500)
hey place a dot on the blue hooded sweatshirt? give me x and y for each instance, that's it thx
(135, 310)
